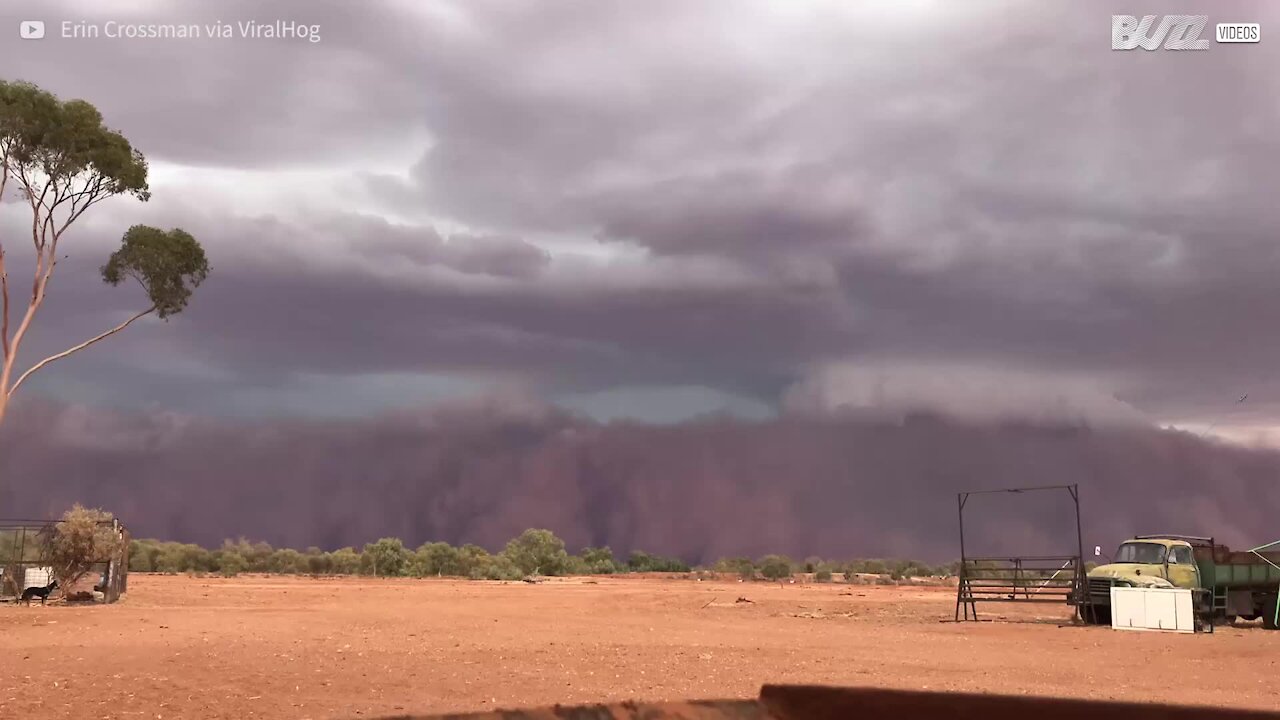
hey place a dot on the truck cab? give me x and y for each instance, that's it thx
(1151, 562)
(1144, 561)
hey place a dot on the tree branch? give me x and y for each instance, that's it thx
(4, 302)
(4, 271)
(77, 348)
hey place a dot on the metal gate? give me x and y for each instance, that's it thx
(1030, 579)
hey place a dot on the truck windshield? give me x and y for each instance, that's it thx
(1138, 552)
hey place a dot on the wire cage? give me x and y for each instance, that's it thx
(27, 560)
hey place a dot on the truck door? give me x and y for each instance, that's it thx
(1183, 572)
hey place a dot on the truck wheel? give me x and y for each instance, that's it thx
(1269, 613)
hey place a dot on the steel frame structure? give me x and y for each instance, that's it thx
(1020, 579)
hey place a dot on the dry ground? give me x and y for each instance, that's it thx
(180, 647)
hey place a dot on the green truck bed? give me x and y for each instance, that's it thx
(1225, 568)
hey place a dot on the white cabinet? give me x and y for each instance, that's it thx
(1168, 609)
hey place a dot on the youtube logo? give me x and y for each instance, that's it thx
(31, 29)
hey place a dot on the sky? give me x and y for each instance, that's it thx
(644, 217)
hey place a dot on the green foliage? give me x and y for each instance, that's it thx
(742, 567)
(287, 562)
(731, 565)
(813, 564)
(345, 561)
(317, 561)
(143, 555)
(640, 561)
(83, 537)
(597, 561)
(385, 558)
(470, 557)
(774, 567)
(495, 567)
(241, 556)
(901, 569)
(870, 567)
(63, 146)
(19, 546)
(168, 264)
(538, 552)
(436, 559)
(232, 564)
(182, 557)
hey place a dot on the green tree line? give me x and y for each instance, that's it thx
(534, 552)
(780, 567)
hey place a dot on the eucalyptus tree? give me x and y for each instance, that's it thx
(59, 160)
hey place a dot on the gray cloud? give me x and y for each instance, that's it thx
(592, 197)
(473, 254)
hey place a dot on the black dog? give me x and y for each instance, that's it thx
(38, 592)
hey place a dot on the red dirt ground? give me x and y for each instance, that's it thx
(180, 647)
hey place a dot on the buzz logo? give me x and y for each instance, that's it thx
(1175, 32)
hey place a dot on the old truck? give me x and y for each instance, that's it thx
(1226, 584)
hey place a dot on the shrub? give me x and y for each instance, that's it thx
(345, 561)
(287, 562)
(496, 567)
(871, 567)
(775, 567)
(437, 558)
(318, 561)
(384, 558)
(598, 561)
(644, 562)
(471, 557)
(538, 551)
(83, 537)
(182, 557)
(143, 555)
(742, 567)
(901, 569)
(231, 564)
(257, 556)
(822, 576)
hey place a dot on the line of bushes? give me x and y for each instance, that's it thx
(779, 567)
(534, 552)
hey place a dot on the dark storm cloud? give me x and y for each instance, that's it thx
(735, 215)
(483, 472)
(385, 298)
(1003, 192)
